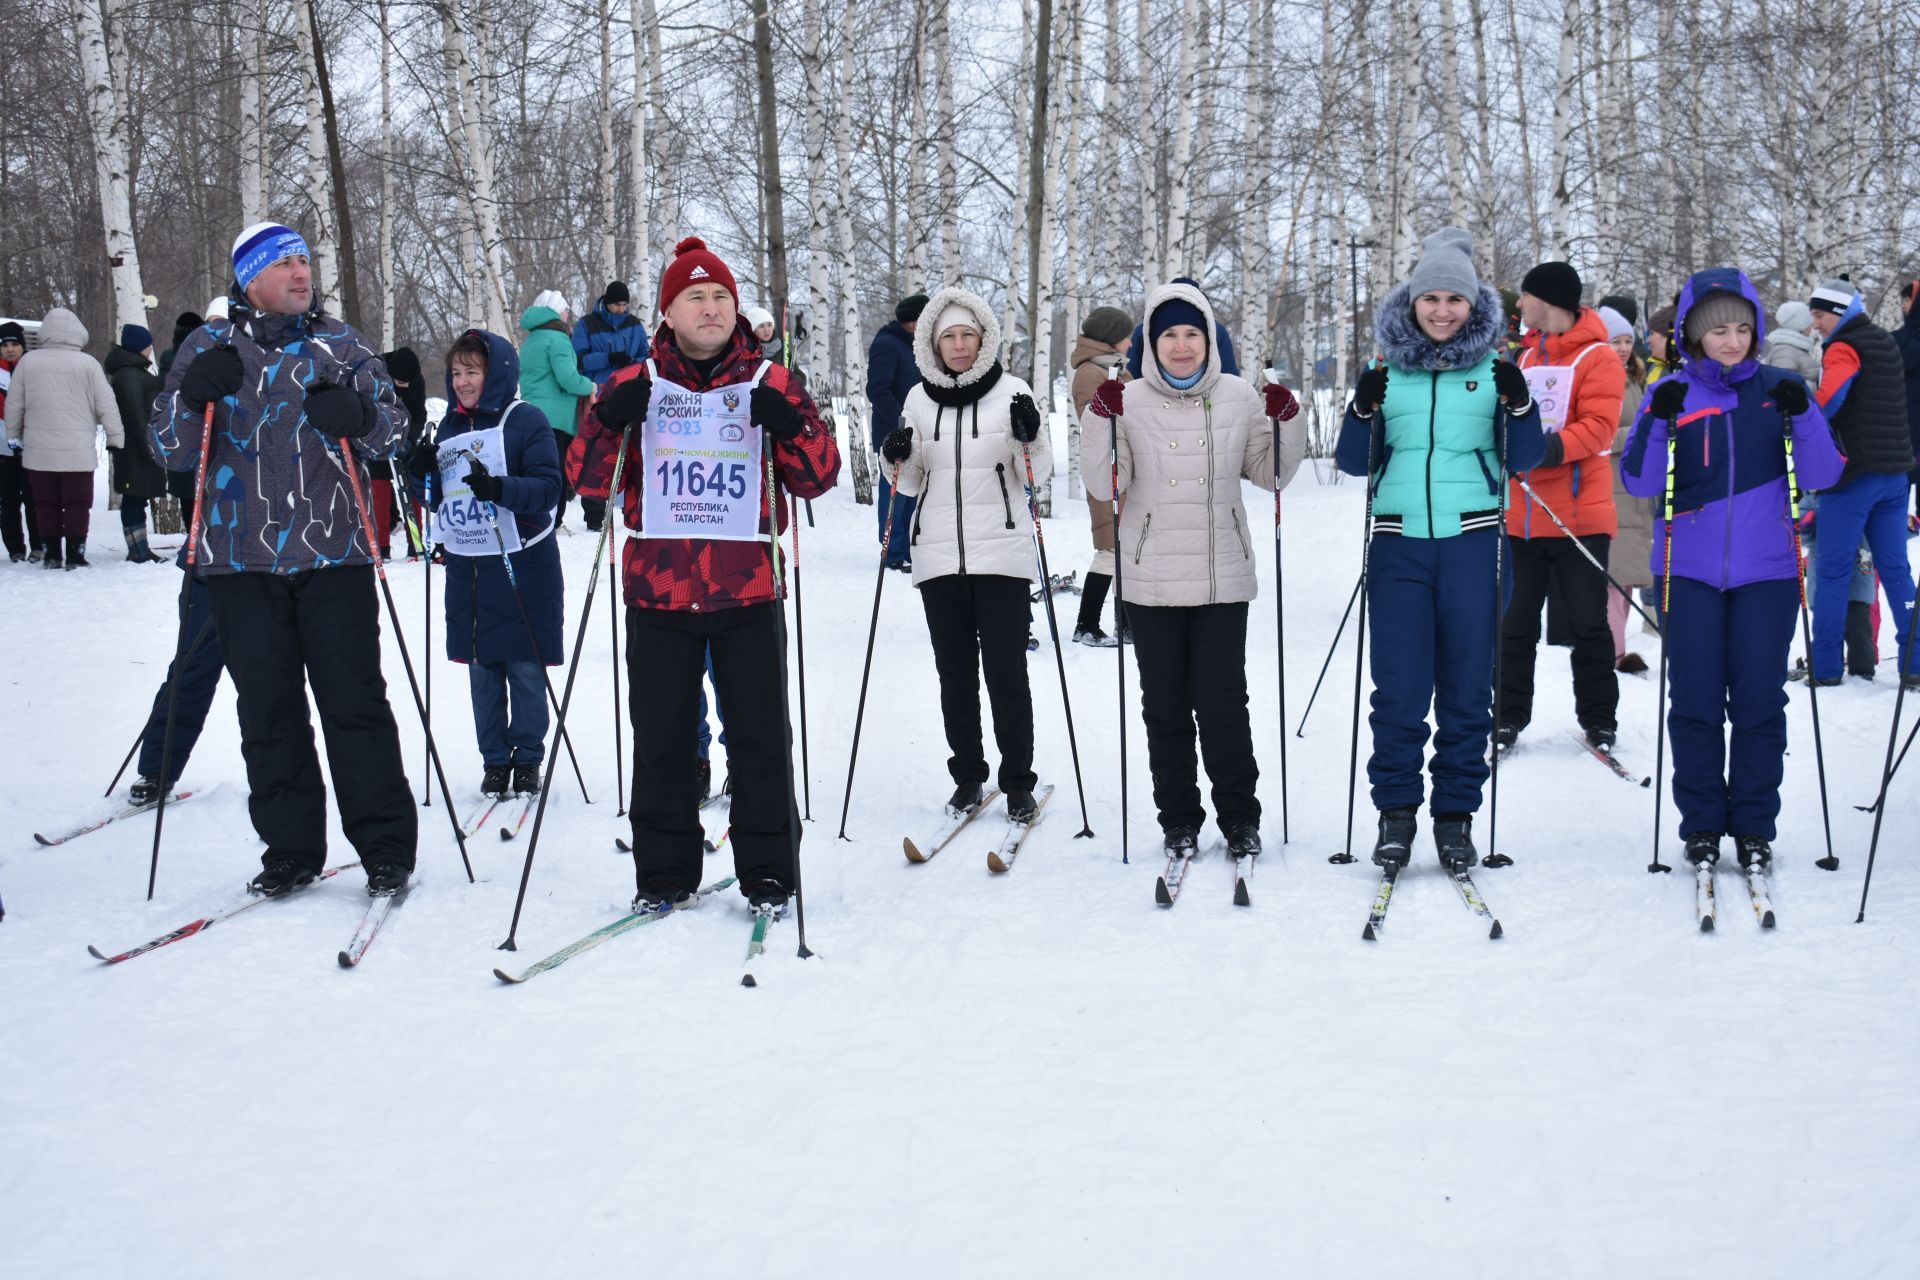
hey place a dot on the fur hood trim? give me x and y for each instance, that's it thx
(1403, 343)
(928, 360)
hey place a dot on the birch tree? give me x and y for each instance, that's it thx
(1563, 127)
(326, 267)
(919, 221)
(253, 204)
(107, 115)
(857, 449)
(1176, 263)
(603, 113)
(638, 19)
(388, 340)
(819, 230)
(946, 127)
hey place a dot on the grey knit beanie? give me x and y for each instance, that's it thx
(1110, 325)
(1714, 310)
(1445, 266)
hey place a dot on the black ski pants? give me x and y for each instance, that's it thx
(16, 502)
(1193, 669)
(199, 677)
(1538, 562)
(666, 657)
(282, 634)
(979, 621)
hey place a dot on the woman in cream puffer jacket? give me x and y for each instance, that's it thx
(1187, 568)
(966, 438)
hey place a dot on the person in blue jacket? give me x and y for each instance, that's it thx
(1436, 427)
(891, 374)
(505, 650)
(608, 339)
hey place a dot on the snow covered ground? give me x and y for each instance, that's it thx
(1041, 1074)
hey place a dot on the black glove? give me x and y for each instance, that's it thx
(1669, 398)
(1371, 391)
(486, 486)
(773, 414)
(619, 359)
(626, 403)
(1511, 384)
(423, 461)
(898, 446)
(339, 411)
(213, 375)
(1555, 452)
(1024, 414)
(1791, 395)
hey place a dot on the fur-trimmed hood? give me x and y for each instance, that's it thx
(927, 359)
(1404, 343)
(1150, 364)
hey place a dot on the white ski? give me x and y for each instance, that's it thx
(1000, 861)
(953, 826)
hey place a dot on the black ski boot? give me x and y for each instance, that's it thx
(526, 778)
(51, 559)
(1395, 844)
(1243, 840)
(1602, 737)
(767, 896)
(658, 897)
(279, 876)
(703, 776)
(384, 879)
(76, 554)
(1182, 842)
(1703, 846)
(494, 782)
(1504, 736)
(1752, 849)
(1453, 841)
(144, 791)
(965, 798)
(1021, 806)
(1086, 629)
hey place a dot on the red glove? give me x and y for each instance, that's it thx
(1280, 401)
(1110, 399)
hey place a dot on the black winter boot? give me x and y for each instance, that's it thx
(965, 798)
(76, 554)
(51, 558)
(526, 778)
(1243, 840)
(1021, 806)
(1394, 847)
(1453, 841)
(144, 791)
(1703, 846)
(1093, 600)
(494, 781)
(384, 879)
(278, 877)
(1182, 842)
(1752, 849)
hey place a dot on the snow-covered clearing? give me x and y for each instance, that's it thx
(1041, 1074)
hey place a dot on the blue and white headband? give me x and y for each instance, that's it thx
(260, 246)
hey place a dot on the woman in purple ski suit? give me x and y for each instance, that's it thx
(1711, 447)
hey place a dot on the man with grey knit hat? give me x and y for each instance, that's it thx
(1863, 392)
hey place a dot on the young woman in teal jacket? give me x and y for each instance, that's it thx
(1435, 427)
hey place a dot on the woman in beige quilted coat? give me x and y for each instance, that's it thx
(1187, 435)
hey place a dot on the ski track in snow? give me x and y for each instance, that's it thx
(1036, 1074)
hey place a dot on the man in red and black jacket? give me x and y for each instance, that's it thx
(685, 595)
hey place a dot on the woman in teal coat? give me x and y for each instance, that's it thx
(1436, 427)
(550, 377)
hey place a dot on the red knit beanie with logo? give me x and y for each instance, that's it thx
(693, 263)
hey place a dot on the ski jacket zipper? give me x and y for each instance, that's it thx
(1433, 440)
(1206, 425)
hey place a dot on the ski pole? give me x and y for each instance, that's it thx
(1494, 857)
(180, 639)
(1360, 656)
(1830, 862)
(1902, 759)
(566, 695)
(205, 628)
(1121, 626)
(772, 497)
(1666, 618)
(526, 618)
(1053, 628)
(1300, 730)
(1886, 770)
(873, 628)
(800, 652)
(1521, 479)
(1280, 632)
(350, 465)
(426, 609)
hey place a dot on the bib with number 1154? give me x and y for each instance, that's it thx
(703, 463)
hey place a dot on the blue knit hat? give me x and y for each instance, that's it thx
(1172, 312)
(135, 337)
(260, 246)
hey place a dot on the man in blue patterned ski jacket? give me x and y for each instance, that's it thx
(300, 404)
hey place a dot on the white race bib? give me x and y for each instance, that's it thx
(1552, 388)
(464, 524)
(703, 463)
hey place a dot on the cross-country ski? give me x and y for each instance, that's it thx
(372, 920)
(625, 924)
(178, 797)
(952, 825)
(1000, 860)
(201, 925)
